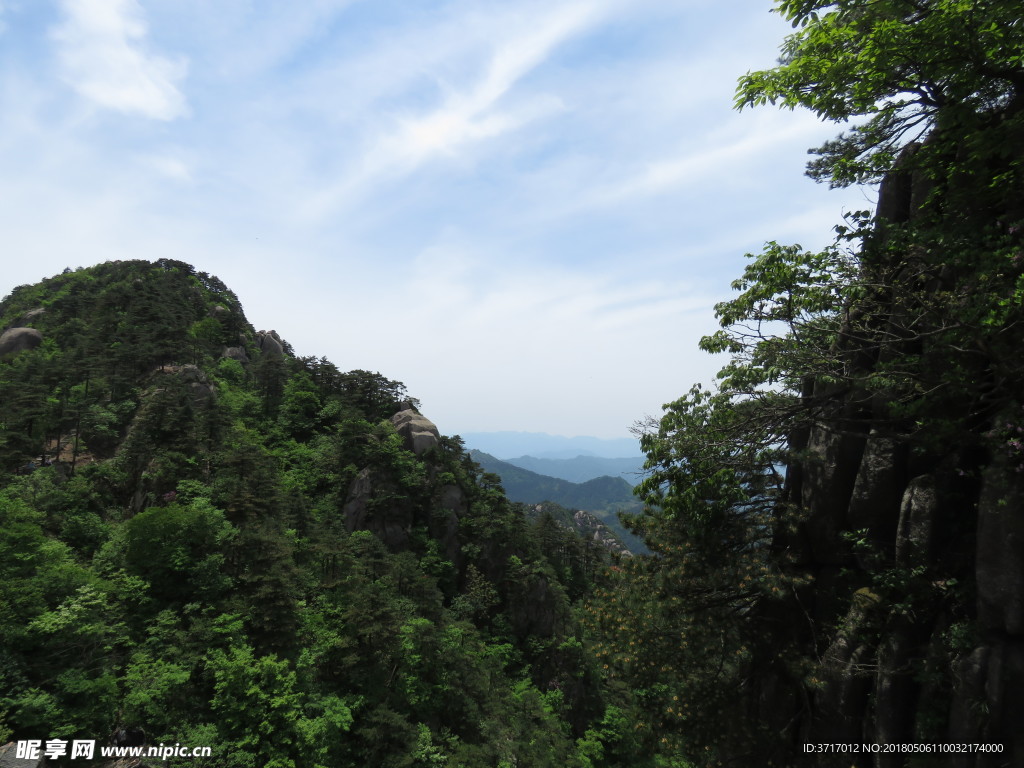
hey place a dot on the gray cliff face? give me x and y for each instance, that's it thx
(875, 660)
(919, 628)
(236, 353)
(391, 525)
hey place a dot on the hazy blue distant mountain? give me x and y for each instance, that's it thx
(506, 445)
(529, 487)
(604, 497)
(582, 468)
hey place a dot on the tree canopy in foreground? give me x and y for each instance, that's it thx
(836, 523)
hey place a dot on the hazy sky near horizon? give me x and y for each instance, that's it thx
(524, 210)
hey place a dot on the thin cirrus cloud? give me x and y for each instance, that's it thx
(725, 154)
(103, 55)
(485, 108)
(534, 203)
(250, 39)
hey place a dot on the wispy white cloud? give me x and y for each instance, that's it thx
(491, 337)
(480, 110)
(726, 154)
(168, 165)
(103, 55)
(247, 39)
(524, 210)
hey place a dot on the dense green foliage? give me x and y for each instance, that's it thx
(236, 548)
(224, 544)
(948, 69)
(899, 343)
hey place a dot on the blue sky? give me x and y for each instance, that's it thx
(523, 210)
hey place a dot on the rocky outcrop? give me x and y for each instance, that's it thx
(829, 477)
(418, 432)
(235, 353)
(876, 495)
(391, 522)
(987, 701)
(1000, 547)
(9, 758)
(915, 530)
(270, 343)
(199, 386)
(32, 316)
(374, 503)
(599, 533)
(849, 661)
(15, 340)
(399, 505)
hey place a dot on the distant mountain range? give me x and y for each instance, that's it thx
(507, 445)
(530, 487)
(604, 497)
(583, 468)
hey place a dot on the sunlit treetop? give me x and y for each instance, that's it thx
(907, 66)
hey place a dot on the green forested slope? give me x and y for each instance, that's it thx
(207, 538)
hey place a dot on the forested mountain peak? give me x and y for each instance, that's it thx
(208, 539)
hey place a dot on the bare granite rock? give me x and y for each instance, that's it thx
(270, 343)
(9, 759)
(418, 431)
(15, 340)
